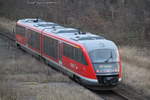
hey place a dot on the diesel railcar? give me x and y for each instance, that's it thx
(88, 58)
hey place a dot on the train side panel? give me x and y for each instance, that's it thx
(33, 40)
(50, 48)
(20, 35)
(73, 59)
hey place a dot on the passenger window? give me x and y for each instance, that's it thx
(51, 47)
(74, 53)
(33, 39)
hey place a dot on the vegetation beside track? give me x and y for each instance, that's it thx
(23, 77)
(135, 67)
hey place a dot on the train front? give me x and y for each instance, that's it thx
(106, 62)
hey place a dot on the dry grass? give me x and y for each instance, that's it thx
(136, 67)
(136, 56)
(22, 77)
(56, 91)
(19, 70)
(25, 77)
(6, 25)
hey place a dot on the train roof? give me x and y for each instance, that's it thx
(39, 24)
(62, 30)
(89, 40)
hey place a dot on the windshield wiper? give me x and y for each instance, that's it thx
(108, 58)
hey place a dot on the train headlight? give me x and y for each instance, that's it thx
(116, 69)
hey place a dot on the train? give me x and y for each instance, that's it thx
(91, 59)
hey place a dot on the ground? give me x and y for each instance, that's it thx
(24, 77)
(136, 67)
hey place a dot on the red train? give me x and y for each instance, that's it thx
(88, 58)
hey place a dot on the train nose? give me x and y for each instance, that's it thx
(108, 80)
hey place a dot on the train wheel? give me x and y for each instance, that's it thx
(18, 45)
(77, 79)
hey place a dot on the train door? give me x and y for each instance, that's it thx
(60, 52)
(33, 40)
(26, 36)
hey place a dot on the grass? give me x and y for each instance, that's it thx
(7, 25)
(136, 67)
(139, 57)
(23, 77)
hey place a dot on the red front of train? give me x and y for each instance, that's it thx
(103, 69)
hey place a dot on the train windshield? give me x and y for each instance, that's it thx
(103, 55)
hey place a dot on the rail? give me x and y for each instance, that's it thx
(8, 35)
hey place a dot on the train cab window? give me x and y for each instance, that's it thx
(33, 39)
(51, 47)
(78, 56)
(74, 53)
(20, 30)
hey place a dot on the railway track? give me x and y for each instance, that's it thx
(106, 95)
(8, 35)
(111, 95)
